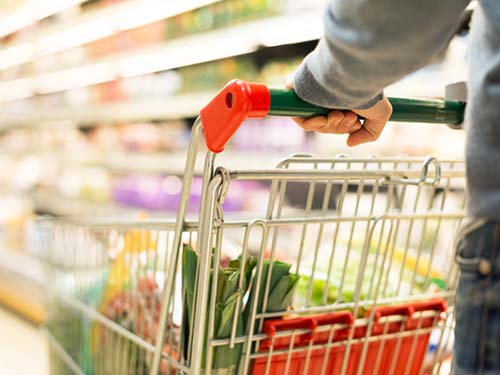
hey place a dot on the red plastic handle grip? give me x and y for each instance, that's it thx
(433, 304)
(225, 113)
(408, 309)
(272, 326)
(341, 317)
(382, 311)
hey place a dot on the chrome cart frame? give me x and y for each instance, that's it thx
(369, 249)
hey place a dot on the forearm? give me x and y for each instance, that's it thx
(369, 44)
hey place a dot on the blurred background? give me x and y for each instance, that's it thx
(97, 99)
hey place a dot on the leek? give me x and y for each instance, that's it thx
(282, 285)
(229, 292)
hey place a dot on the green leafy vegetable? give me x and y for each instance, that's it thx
(281, 287)
(229, 292)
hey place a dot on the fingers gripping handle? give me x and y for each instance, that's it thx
(239, 100)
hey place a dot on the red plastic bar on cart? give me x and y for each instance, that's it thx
(324, 341)
(272, 327)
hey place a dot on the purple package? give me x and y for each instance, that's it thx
(160, 193)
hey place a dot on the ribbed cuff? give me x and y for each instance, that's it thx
(308, 89)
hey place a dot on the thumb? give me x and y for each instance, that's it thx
(369, 132)
(375, 119)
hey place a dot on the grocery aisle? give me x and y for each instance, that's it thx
(23, 347)
(97, 104)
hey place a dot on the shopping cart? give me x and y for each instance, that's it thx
(355, 275)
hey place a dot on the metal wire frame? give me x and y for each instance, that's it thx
(371, 208)
(104, 294)
(132, 337)
(429, 207)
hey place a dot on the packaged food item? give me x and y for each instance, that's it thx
(162, 193)
(221, 14)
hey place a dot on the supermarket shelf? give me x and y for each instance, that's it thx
(25, 15)
(165, 163)
(174, 163)
(22, 282)
(49, 202)
(89, 27)
(238, 40)
(169, 108)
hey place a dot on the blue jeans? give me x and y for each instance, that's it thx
(477, 331)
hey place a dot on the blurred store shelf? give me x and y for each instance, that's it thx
(22, 284)
(182, 106)
(88, 27)
(30, 12)
(237, 40)
(174, 163)
(48, 202)
(161, 162)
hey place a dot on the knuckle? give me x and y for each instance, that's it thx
(350, 117)
(336, 116)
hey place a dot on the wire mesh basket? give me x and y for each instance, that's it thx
(346, 268)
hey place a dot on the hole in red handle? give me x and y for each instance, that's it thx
(229, 100)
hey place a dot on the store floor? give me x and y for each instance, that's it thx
(23, 346)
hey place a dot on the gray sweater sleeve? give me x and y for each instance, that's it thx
(369, 44)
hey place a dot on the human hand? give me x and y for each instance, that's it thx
(347, 122)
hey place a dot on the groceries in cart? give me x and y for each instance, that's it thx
(326, 279)
(319, 340)
(236, 283)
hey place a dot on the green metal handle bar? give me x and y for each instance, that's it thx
(287, 103)
(239, 100)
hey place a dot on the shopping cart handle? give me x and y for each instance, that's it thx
(239, 100)
(432, 111)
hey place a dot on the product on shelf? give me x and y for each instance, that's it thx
(220, 14)
(140, 137)
(127, 40)
(273, 72)
(212, 75)
(162, 193)
(92, 184)
(154, 86)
